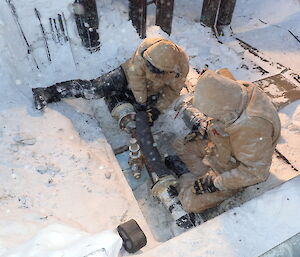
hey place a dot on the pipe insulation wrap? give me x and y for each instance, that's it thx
(146, 142)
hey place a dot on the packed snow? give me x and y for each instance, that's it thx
(60, 183)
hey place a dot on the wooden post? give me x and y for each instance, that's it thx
(164, 15)
(211, 12)
(226, 11)
(138, 15)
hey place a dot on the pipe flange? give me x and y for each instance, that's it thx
(162, 184)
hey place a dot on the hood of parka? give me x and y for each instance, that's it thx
(219, 97)
(165, 56)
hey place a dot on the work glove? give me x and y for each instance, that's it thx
(205, 184)
(191, 136)
(153, 114)
(140, 107)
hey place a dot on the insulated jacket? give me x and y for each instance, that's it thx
(243, 132)
(164, 55)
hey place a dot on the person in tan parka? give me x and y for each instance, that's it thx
(242, 132)
(151, 79)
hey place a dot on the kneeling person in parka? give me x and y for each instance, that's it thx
(151, 79)
(242, 131)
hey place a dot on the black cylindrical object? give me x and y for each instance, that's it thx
(146, 142)
(87, 22)
(163, 188)
(132, 235)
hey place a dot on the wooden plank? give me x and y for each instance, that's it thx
(279, 89)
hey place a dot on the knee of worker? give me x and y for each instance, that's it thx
(193, 203)
(191, 154)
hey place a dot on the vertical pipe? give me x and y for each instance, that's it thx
(164, 14)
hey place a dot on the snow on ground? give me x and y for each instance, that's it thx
(269, 26)
(290, 133)
(56, 166)
(247, 231)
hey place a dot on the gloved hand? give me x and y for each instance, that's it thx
(205, 184)
(140, 107)
(191, 137)
(153, 114)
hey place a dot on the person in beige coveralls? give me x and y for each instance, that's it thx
(242, 132)
(151, 79)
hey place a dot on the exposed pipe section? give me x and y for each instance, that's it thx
(164, 187)
(125, 115)
(147, 144)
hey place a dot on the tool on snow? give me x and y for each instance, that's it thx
(43, 34)
(52, 30)
(68, 38)
(61, 25)
(57, 32)
(16, 19)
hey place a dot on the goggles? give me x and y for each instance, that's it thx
(153, 69)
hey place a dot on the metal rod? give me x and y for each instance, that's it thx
(69, 40)
(52, 30)
(16, 19)
(57, 32)
(61, 25)
(43, 34)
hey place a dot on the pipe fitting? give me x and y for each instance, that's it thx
(125, 115)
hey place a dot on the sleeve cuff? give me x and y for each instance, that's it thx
(218, 183)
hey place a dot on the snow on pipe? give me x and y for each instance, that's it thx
(164, 184)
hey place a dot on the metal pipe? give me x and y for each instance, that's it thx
(146, 142)
(164, 187)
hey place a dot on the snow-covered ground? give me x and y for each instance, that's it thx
(58, 174)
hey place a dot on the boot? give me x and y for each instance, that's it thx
(174, 163)
(107, 85)
(43, 96)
